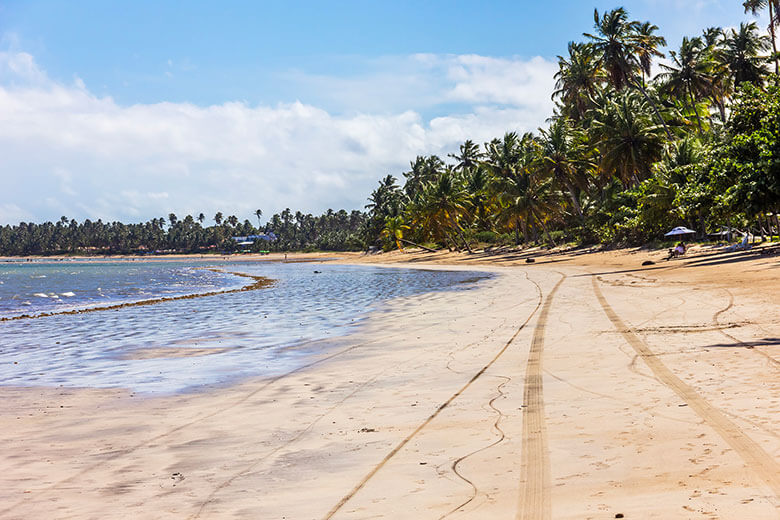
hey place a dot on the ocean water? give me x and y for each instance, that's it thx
(238, 335)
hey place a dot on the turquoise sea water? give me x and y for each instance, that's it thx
(249, 333)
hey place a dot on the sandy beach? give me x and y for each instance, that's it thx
(584, 385)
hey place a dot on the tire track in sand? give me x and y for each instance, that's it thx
(716, 322)
(535, 503)
(392, 453)
(754, 456)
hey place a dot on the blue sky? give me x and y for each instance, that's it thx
(129, 110)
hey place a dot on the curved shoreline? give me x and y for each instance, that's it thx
(259, 282)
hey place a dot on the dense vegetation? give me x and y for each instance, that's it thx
(334, 231)
(626, 156)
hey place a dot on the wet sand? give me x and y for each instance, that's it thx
(580, 386)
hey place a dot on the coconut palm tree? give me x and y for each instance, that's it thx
(754, 7)
(423, 170)
(566, 159)
(740, 53)
(524, 200)
(627, 138)
(468, 158)
(577, 79)
(646, 47)
(620, 49)
(394, 229)
(689, 76)
(440, 207)
(258, 214)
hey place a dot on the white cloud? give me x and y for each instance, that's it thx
(65, 150)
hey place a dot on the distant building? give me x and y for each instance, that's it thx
(251, 239)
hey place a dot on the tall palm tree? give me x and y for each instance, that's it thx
(646, 45)
(754, 7)
(740, 53)
(578, 77)
(722, 85)
(258, 214)
(440, 207)
(619, 48)
(524, 200)
(423, 170)
(627, 138)
(566, 159)
(688, 77)
(468, 157)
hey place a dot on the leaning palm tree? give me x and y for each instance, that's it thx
(688, 77)
(394, 229)
(754, 7)
(627, 138)
(740, 53)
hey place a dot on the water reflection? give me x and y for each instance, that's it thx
(186, 344)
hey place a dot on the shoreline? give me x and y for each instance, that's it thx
(422, 414)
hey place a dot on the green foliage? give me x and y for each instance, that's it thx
(750, 159)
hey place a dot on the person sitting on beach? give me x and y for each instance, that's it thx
(678, 250)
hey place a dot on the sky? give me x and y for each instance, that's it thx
(133, 110)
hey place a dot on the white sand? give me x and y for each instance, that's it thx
(539, 395)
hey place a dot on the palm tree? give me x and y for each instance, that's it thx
(627, 138)
(258, 214)
(439, 208)
(740, 53)
(577, 79)
(566, 159)
(468, 157)
(647, 44)
(394, 228)
(201, 217)
(688, 77)
(218, 218)
(524, 200)
(620, 48)
(754, 6)
(476, 184)
(424, 170)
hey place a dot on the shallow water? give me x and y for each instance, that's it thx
(235, 336)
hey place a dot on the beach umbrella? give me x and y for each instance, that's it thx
(680, 231)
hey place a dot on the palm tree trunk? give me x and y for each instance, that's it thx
(574, 201)
(460, 234)
(525, 231)
(772, 33)
(655, 109)
(417, 245)
(546, 233)
(695, 111)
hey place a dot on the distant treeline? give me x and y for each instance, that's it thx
(333, 231)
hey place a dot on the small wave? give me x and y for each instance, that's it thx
(39, 276)
(41, 295)
(68, 294)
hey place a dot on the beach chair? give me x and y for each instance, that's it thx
(741, 246)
